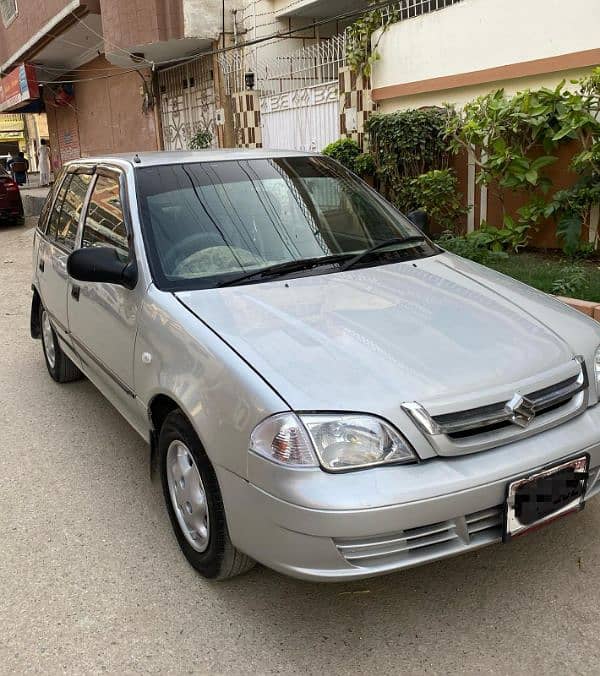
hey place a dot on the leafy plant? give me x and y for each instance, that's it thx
(360, 52)
(364, 164)
(345, 151)
(572, 208)
(487, 240)
(404, 145)
(580, 120)
(201, 140)
(515, 140)
(436, 192)
(514, 235)
(572, 280)
(477, 246)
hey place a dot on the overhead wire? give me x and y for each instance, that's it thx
(275, 37)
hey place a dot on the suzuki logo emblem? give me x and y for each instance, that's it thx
(521, 410)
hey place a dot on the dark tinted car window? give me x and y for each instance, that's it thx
(105, 223)
(55, 215)
(71, 210)
(43, 220)
(207, 221)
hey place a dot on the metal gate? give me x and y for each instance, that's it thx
(298, 91)
(305, 119)
(187, 103)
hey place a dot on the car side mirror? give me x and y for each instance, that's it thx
(419, 218)
(101, 264)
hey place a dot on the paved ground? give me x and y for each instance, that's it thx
(91, 578)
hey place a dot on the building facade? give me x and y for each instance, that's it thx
(120, 76)
(97, 64)
(471, 47)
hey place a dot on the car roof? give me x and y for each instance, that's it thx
(158, 158)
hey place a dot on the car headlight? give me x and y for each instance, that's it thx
(339, 441)
(597, 370)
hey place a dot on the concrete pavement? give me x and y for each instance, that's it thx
(91, 578)
(33, 197)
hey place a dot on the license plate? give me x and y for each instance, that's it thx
(545, 496)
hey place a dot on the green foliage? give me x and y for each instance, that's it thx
(488, 240)
(404, 145)
(516, 140)
(436, 192)
(572, 209)
(201, 140)
(478, 246)
(569, 231)
(360, 53)
(514, 235)
(585, 251)
(345, 151)
(572, 280)
(411, 162)
(364, 164)
(579, 121)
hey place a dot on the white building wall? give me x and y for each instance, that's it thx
(475, 35)
(204, 18)
(259, 18)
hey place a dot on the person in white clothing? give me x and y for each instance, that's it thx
(44, 162)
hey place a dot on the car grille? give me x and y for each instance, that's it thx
(426, 543)
(469, 430)
(487, 418)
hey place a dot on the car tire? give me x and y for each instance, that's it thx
(59, 366)
(194, 502)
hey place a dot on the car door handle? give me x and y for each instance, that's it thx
(41, 265)
(75, 292)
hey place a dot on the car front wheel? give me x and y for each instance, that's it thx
(60, 367)
(194, 502)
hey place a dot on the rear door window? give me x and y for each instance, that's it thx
(105, 222)
(72, 207)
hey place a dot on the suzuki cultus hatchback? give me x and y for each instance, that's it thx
(324, 390)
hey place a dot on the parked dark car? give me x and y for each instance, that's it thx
(11, 206)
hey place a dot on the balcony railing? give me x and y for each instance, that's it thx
(408, 9)
(11, 122)
(305, 67)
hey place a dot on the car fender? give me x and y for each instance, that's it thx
(178, 356)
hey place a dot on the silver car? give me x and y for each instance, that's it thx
(324, 390)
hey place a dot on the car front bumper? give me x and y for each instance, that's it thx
(319, 526)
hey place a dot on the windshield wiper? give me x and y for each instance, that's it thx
(382, 245)
(281, 269)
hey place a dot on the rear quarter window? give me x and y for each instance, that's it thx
(53, 221)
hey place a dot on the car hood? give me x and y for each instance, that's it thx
(367, 339)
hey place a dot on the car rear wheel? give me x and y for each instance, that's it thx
(194, 502)
(60, 367)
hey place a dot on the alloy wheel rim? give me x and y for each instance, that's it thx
(188, 495)
(48, 340)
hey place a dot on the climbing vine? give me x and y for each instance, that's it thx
(360, 52)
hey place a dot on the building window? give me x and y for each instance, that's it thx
(8, 10)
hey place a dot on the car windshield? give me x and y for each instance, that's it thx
(208, 224)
